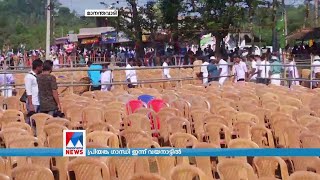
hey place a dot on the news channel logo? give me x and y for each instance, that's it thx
(74, 143)
(101, 13)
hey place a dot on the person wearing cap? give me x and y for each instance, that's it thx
(316, 70)
(223, 71)
(239, 69)
(131, 74)
(212, 69)
(263, 70)
(275, 70)
(293, 72)
(204, 70)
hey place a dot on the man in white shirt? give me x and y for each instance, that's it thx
(55, 61)
(166, 70)
(254, 70)
(106, 77)
(31, 86)
(293, 72)
(131, 75)
(264, 70)
(316, 70)
(239, 69)
(223, 69)
(204, 70)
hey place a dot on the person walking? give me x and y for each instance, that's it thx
(166, 70)
(276, 69)
(293, 72)
(223, 71)
(316, 70)
(94, 75)
(48, 90)
(264, 70)
(239, 69)
(131, 74)
(106, 78)
(204, 70)
(31, 86)
(212, 68)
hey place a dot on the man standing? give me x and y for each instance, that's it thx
(213, 72)
(239, 69)
(204, 70)
(275, 70)
(131, 74)
(166, 70)
(94, 75)
(223, 71)
(293, 72)
(254, 70)
(316, 70)
(31, 86)
(106, 77)
(264, 70)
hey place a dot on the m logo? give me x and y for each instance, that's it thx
(74, 143)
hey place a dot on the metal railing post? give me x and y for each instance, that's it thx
(72, 78)
(311, 72)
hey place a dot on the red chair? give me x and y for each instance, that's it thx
(157, 105)
(134, 105)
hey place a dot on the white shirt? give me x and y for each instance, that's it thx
(56, 63)
(106, 77)
(293, 69)
(240, 70)
(166, 71)
(316, 69)
(204, 69)
(265, 68)
(131, 74)
(224, 66)
(31, 86)
(254, 66)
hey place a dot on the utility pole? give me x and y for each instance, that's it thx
(274, 30)
(48, 8)
(316, 5)
(285, 21)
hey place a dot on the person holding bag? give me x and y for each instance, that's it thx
(31, 95)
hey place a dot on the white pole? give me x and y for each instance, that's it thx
(48, 29)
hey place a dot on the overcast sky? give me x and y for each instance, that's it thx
(80, 5)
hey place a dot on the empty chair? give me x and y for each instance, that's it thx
(147, 176)
(4, 177)
(33, 172)
(267, 166)
(157, 104)
(233, 169)
(40, 120)
(146, 98)
(122, 168)
(204, 163)
(103, 138)
(304, 175)
(89, 168)
(187, 172)
(134, 105)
